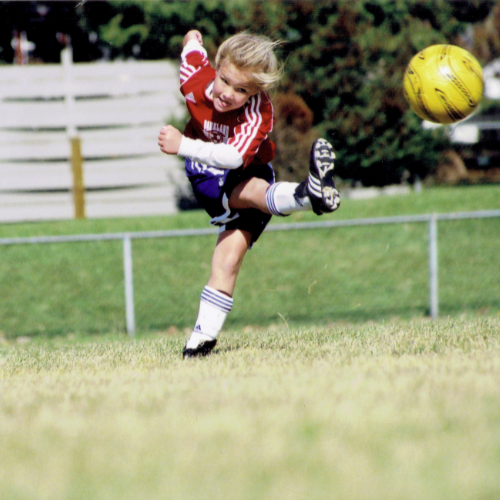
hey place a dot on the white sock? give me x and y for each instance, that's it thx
(281, 199)
(214, 307)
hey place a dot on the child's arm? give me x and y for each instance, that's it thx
(257, 122)
(170, 138)
(193, 55)
(172, 142)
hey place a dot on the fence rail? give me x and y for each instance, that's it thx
(431, 219)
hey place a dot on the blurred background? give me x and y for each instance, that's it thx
(344, 67)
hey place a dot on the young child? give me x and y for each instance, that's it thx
(227, 153)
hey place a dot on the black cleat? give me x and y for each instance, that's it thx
(204, 348)
(320, 185)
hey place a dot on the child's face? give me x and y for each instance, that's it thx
(232, 88)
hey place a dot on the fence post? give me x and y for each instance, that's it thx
(78, 186)
(433, 266)
(129, 284)
(71, 130)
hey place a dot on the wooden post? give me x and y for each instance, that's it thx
(71, 130)
(78, 186)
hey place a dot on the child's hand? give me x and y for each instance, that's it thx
(169, 140)
(192, 35)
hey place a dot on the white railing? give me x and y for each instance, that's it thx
(430, 219)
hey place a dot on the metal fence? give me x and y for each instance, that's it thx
(126, 238)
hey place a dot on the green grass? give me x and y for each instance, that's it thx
(315, 276)
(328, 381)
(382, 411)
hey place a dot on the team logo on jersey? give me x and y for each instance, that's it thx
(216, 132)
(190, 97)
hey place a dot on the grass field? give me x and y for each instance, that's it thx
(380, 411)
(328, 381)
(313, 276)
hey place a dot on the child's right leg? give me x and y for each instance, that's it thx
(317, 193)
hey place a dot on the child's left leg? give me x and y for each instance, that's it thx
(231, 247)
(216, 298)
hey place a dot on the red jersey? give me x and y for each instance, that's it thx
(246, 129)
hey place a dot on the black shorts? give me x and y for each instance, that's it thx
(213, 186)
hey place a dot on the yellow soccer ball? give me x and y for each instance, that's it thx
(443, 84)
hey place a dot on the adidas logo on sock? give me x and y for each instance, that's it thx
(190, 97)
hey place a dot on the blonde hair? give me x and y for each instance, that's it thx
(254, 54)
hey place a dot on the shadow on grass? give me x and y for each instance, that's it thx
(356, 316)
(364, 315)
(236, 320)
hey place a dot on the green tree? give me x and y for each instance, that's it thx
(158, 27)
(348, 65)
(345, 59)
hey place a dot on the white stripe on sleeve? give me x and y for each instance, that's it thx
(251, 127)
(191, 46)
(187, 70)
